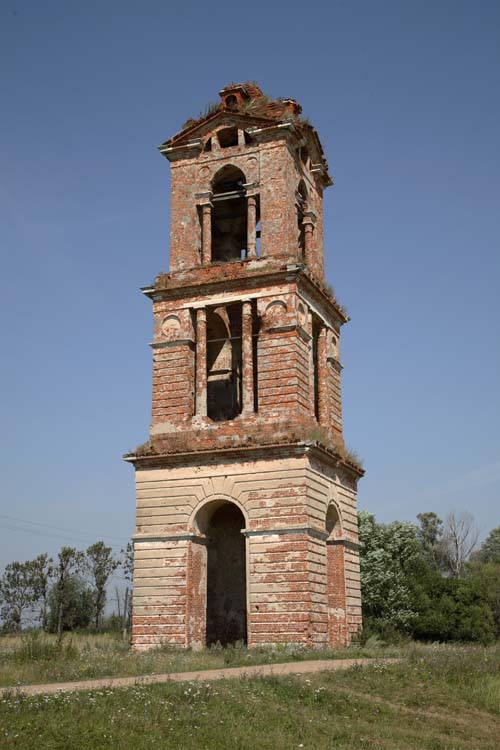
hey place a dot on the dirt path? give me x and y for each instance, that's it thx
(259, 670)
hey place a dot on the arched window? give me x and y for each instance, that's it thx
(231, 102)
(332, 523)
(301, 210)
(229, 215)
(224, 363)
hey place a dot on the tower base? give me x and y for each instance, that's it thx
(254, 545)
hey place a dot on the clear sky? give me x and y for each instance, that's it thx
(405, 96)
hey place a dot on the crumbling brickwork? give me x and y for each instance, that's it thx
(246, 497)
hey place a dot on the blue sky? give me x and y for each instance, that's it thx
(405, 97)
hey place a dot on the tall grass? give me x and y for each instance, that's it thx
(417, 704)
(36, 647)
(35, 657)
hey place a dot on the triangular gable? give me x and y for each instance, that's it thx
(202, 128)
(210, 123)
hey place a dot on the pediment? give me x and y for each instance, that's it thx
(212, 123)
(274, 115)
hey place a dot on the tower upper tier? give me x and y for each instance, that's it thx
(247, 185)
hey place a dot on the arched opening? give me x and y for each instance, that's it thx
(336, 591)
(231, 102)
(332, 523)
(224, 363)
(301, 210)
(316, 329)
(226, 608)
(229, 215)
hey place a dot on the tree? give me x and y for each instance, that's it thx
(102, 565)
(430, 535)
(404, 590)
(454, 609)
(460, 539)
(127, 561)
(484, 578)
(490, 549)
(16, 593)
(387, 554)
(42, 571)
(78, 607)
(127, 564)
(70, 563)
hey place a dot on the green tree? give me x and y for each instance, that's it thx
(69, 565)
(77, 605)
(484, 578)
(102, 565)
(127, 561)
(453, 609)
(403, 588)
(388, 552)
(490, 549)
(430, 536)
(42, 571)
(16, 594)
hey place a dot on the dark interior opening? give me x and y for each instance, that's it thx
(255, 342)
(229, 215)
(224, 363)
(226, 577)
(301, 209)
(231, 102)
(228, 137)
(315, 335)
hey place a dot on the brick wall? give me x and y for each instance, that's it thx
(289, 585)
(279, 460)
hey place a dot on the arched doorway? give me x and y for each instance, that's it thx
(226, 577)
(220, 522)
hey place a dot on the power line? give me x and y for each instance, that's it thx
(90, 534)
(38, 532)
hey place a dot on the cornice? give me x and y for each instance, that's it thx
(249, 272)
(296, 448)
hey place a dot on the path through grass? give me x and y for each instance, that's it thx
(437, 699)
(34, 658)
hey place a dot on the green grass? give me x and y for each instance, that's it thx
(437, 698)
(34, 658)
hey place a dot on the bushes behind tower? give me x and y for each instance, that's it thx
(429, 580)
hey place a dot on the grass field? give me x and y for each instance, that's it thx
(436, 698)
(34, 658)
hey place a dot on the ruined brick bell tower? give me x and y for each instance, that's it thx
(246, 496)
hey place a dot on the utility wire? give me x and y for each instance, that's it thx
(38, 532)
(59, 528)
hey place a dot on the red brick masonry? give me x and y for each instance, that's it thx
(246, 399)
